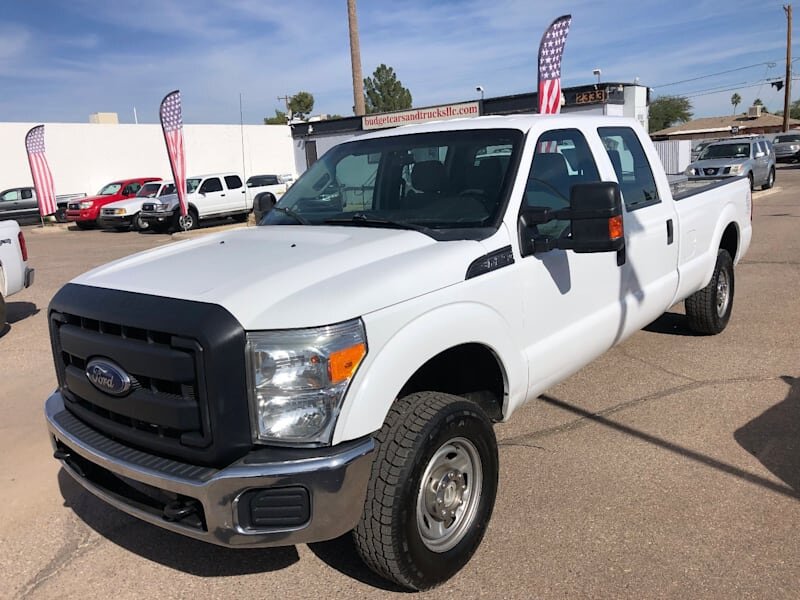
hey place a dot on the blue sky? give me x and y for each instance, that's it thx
(61, 60)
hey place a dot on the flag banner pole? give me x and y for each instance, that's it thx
(551, 50)
(40, 172)
(171, 116)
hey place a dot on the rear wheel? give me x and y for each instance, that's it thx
(770, 180)
(709, 310)
(432, 490)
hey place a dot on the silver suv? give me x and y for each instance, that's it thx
(787, 146)
(752, 157)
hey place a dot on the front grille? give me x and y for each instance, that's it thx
(185, 361)
(73, 206)
(165, 408)
(710, 171)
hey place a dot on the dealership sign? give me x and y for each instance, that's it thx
(421, 115)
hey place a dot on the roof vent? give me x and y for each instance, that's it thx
(754, 111)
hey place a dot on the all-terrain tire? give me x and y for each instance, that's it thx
(709, 310)
(431, 492)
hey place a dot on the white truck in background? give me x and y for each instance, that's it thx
(212, 196)
(339, 367)
(15, 274)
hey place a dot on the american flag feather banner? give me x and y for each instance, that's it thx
(40, 171)
(551, 49)
(172, 125)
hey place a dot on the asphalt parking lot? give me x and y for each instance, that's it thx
(668, 468)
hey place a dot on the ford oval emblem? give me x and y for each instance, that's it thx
(108, 377)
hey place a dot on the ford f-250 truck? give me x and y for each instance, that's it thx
(15, 274)
(339, 368)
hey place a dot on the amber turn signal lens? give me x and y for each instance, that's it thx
(343, 363)
(615, 228)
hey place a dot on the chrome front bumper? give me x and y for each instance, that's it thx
(335, 478)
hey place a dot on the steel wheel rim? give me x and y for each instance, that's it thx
(140, 223)
(449, 494)
(723, 293)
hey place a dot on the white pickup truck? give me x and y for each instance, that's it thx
(212, 197)
(15, 274)
(339, 367)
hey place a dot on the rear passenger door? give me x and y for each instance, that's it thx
(235, 198)
(650, 270)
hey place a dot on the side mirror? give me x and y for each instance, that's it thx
(595, 215)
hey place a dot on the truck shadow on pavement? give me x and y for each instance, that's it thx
(341, 554)
(671, 323)
(16, 312)
(167, 548)
(774, 436)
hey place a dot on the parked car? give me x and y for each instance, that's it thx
(21, 204)
(787, 146)
(212, 196)
(15, 274)
(124, 215)
(340, 368)
(266, 191)
(86, 212)
(752, 158)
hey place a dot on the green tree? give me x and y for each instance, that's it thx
(666, 111)
(278, 119)
(301, 104)
(736, 100)
(794, 110)
(383, 92)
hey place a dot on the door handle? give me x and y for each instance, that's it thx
(670, 232)
(222, 194)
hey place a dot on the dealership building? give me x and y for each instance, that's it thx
(312, 139)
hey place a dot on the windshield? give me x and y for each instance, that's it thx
(192, 184)
(110, 189)
(451, 184)
(726, 151)
(786, 138)
(149, 190)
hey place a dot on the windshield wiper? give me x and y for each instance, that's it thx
(360, 219)
(290, 213)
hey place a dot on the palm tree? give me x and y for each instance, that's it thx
(736, 100)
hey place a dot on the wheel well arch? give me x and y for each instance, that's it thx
(471, 370)
(730, 240)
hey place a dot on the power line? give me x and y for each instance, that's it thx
(766, 62)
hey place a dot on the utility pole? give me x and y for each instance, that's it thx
(286, 99)
(787, 98)
(355, 60)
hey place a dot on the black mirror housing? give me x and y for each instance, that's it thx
(595, 215)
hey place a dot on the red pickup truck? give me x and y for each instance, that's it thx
(84, 212)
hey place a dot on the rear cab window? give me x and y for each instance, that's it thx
(634, 174)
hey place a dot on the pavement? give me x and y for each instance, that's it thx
(668, 468)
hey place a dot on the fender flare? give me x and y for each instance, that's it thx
(388, 367)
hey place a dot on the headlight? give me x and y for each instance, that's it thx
(794, 147)
(736, 169)
(689, 171)
(298, 378)
(117, 211)
(161, 207)
(85, 205)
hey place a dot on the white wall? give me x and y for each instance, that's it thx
(83, 156)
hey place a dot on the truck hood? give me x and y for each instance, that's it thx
(281, 277)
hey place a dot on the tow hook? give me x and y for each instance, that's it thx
(178, 510)
(66, 456)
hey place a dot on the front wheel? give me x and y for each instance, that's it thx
(752, 183)
(185, 223)
(709, 310)
(770, 180)
(85, 224)
(3, 313)
(139, 223)
(432, 490)
(61, 214)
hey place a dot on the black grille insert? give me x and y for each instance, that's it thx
(165, 409)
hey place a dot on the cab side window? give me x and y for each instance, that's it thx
(635, 177)
(131, 189)
(233, 182)
(562, 158)
(27, 194)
